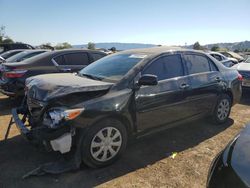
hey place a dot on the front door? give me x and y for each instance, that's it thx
(165, 102)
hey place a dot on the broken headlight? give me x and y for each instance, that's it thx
(56, 116)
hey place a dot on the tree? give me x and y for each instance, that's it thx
(2, 33)
(3, 37)
(91, 45)
(215, 48)
(197, 46)
(64, 45)
(236, 51)
(47, 45)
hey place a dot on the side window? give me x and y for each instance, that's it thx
(217, 57)
(166, 67)
(76, 59)
(197, 64)
(97, 56)
(59, 60)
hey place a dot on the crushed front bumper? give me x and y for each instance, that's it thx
(56, 140)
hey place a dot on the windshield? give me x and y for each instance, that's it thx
(22, 56)
(112, 68)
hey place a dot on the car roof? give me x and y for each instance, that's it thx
(159, 50)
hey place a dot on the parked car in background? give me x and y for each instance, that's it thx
(14, 46)
(247, 59)
(8, 54)
(244, 70)
(228, 62)
(24, 55)
(13, 75)
(123, 95)
(234, 55)
(231, 167)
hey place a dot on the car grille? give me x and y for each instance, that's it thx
(245, 74)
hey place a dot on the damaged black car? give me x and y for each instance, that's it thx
(94, 112)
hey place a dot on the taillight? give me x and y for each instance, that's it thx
(15, 73)
(240, 77)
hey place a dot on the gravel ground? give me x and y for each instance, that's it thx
(146, 163)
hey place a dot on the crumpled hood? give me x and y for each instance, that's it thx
(48, 86)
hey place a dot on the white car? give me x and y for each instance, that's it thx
(244, 70)
(227, 61)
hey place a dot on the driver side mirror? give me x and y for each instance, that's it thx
(148, 80)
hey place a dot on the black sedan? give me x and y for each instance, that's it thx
(126, 94)
(13, 75)
(231, 167)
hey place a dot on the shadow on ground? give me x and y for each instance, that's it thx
(18, 157)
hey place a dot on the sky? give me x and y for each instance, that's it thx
(166, 22)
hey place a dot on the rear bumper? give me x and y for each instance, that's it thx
(246, 83)
(57, 140)
(11, 88)
(8, 93)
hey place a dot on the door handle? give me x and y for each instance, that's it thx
(218, 79)
(66, 69)
(184, 86)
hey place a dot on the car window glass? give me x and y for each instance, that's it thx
(197, 64)
(59, 60)
(217, 57)
(166, 67)
(96, 56)
(76, 59)
(30, 55)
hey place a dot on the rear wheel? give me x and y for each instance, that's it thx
(104, 143)
(222, 109)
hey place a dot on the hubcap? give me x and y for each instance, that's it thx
(106, 144)
(223, 109)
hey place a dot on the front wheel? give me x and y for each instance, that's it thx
(104, 143)
(222, 109)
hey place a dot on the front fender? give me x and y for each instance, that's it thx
(115, 104)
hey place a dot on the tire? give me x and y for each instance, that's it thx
(98, 149)
(222, 109)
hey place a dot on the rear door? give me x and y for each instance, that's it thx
(205, 79)
(72, 62)
(165, 102)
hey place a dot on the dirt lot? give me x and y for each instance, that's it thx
(146, 163)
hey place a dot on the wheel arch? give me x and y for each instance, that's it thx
(121, 118)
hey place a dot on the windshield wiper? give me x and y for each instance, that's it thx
(91, 76)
